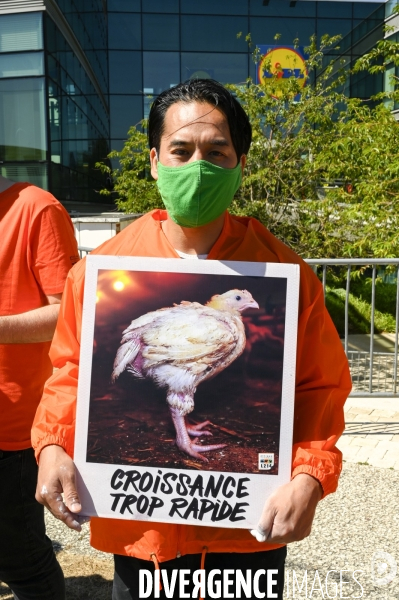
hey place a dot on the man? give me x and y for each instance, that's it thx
(199, 136)
(37, 249)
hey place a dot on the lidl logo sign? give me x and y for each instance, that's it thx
(278, 64)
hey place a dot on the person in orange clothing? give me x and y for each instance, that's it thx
(199, 137)
(37, 250)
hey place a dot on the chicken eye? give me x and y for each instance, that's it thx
(238, 297)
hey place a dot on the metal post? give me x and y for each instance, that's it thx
(348, 282)
(395, 364)
(372, 330)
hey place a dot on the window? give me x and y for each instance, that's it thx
(161, 71)
(213, 34)
(21, 31)
(389, 84)
(125, 72)
(263, 30)
(282, 8)
(116, 145)
(160, 32)
(124, 31)
(362, 10)
(334, 27)
(22, 64)
(343, 10)
(220, 7)
(22, 119)
(361, 29)
(34, 173)
(226, 68)
(389, 6)
(125, 112)
(124, 5)
(160, 6)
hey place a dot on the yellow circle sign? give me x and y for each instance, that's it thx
(278, 65)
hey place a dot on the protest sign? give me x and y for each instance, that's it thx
(186, 388)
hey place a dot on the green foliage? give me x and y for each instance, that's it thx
(134, 188)
(360, 302)
(322, 173)
(359, 314)
(385, 295)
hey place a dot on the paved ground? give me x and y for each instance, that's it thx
(383, 364)
(355, 537)
(383, 342)
(372, 432)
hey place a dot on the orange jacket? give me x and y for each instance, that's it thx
(323, 383)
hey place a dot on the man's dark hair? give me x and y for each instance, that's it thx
(202, 90)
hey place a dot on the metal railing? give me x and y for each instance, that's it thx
(373, 373)
(84, 251)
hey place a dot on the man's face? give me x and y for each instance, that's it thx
(195, 131)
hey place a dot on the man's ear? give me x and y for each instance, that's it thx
(154, 163)
(243, 162)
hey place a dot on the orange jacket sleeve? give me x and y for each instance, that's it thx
(323, 383)
(54, 422)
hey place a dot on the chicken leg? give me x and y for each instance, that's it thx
(183, 431)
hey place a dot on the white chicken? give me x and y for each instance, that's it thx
(179, 347)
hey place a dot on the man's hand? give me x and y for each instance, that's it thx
(289, 512)
(57, 475)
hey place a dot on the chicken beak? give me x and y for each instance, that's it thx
(252, 304)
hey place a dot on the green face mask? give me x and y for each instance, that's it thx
(197, 193)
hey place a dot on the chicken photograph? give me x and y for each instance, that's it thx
(186, 370)
(180, 347)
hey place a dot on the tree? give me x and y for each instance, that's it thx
(133, 185)
(323, 171)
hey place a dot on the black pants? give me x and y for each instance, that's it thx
(127, 572)
(27, 560)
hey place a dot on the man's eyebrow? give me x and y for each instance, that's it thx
(214, 142)
(219, 142)
(178, 143)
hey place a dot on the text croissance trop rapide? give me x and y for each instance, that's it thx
(216, 497)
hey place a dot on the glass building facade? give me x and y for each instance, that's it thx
(154, 44)
(23, 131)
(76, 74)
(54, 114)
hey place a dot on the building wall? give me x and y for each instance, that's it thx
(23, 130)
(77, 101)
(54, 116)
(154, 44)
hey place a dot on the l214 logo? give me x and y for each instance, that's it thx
(265, 461)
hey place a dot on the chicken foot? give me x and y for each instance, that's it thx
(196, 430)
(183, 441)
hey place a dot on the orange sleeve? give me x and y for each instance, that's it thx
(54, 422)
(53, 247)
(322, 385)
